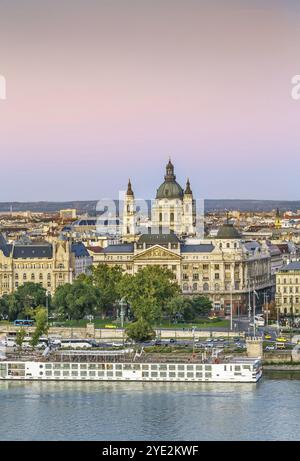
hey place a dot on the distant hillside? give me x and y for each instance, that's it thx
(210, 205)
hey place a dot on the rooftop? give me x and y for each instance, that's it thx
(295, 266)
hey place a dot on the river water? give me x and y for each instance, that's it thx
(268, 410)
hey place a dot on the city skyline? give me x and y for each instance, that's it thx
(103, 91)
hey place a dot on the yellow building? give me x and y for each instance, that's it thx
(288, 289)
(50, 264)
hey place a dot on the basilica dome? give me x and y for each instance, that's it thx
(169, 189)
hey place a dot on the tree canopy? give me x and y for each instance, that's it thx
(74, 302)
(148, 291)
(23, 301)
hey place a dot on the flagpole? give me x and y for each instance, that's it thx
(254, 305)
(249, 301)
(231, 310)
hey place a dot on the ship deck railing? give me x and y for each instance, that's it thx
(115, 357)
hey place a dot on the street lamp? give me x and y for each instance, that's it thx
(277, 303)
(47, 306)
(123, 305)
(267, 311)
(231, 309)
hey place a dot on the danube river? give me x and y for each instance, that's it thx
(268, 410)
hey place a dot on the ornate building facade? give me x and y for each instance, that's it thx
(50, 264)
(225, 269)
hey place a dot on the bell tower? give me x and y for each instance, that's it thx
(129, 214)
(189, 213)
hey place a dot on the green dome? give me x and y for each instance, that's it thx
(227, 231)
(169, 189)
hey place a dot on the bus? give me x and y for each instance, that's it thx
(24, 323)
(77, 343)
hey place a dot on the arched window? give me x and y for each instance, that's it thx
(217, 287)
(195, 286)
(205, 287)
(185, 287)
(24, 276)
(32, 276)
(41, 276)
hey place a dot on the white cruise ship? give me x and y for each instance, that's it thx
(116, 368)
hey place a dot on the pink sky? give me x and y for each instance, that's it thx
(99, 91)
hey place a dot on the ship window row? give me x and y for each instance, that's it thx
(119, 374)
(125, 366)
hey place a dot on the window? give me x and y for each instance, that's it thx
(205, 287)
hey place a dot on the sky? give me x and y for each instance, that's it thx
(98, 91)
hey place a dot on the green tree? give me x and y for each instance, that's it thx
(190, 308)
(4, 307)
(140, 331)
(149, 291)
(76, 301)
(201, 306)
(26, 299)
(41, 325)
(107, 279)
(21, 333)
(176, 307)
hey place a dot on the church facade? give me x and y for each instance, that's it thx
(173, 210)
